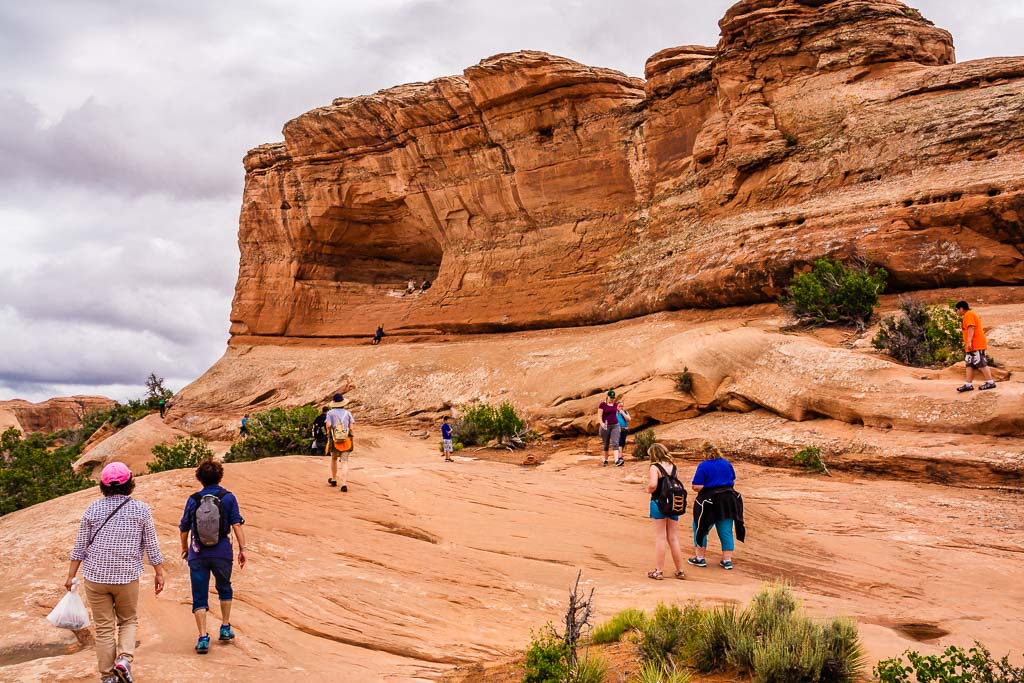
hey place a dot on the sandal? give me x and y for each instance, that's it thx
(657, 575)
(680, 574)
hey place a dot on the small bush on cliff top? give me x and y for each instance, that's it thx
(278, 431)
(835, 293)
(186, 452)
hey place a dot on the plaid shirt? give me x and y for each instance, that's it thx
(115, 556)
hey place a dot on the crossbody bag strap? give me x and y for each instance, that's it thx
(125, 502)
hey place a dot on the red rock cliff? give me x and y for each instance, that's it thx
(51, 415)
(535, 191)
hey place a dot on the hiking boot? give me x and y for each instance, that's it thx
(108, 678)
(605, 463)
(725, 564)
(226, 633)
(331, 482)
(620, 462)
(344, 488)
(203, 644)
(697, 562)
(123, 669)
(987, 385)
(965, 387)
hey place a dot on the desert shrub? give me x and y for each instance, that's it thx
(546, 659)
(954, 665)
(684, 381)
(810, 459)
(465, 432)
(611, 631)
(920, 335)
(488, 422)
(656, 672)
(715, 640)
(642, 442)
(185, 452)
(845, 658)
(834, 292)
(278, 431)
(669, 631)
(589, 669)
(32, 471)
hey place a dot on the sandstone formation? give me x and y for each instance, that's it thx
(534, 191)
(132, 445)
(51, 415)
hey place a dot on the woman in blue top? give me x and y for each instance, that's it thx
(716, 505)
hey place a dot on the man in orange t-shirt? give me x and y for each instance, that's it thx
(975, 346)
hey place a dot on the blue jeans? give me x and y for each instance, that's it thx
(724, 529)
(199, 571)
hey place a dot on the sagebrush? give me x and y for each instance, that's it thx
(34, 469)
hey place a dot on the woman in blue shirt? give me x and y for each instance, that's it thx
(717, 505)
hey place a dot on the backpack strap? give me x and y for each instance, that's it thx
(116, 510)
(662, 469)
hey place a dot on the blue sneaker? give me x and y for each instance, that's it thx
(226, 633)
(725, 564)
(697, 561)
(203, 644)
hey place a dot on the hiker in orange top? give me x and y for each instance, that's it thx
(975, 346)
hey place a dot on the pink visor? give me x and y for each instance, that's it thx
(115, 473)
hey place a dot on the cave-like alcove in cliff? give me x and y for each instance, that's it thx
(380, 243)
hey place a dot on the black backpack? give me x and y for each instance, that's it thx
(671, 498)
(209, 523)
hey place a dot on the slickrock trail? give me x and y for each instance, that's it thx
(425, 565)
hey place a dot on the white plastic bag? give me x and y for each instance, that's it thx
(70, 612)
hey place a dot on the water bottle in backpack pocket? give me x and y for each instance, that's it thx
(671, 493)
(208, 523)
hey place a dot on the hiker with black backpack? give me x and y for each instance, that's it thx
(319, 445)
(668, 501)
(111, 538)
(339, 440)
(717, 505)
(210, 516)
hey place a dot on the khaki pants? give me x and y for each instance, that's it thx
(113, 604)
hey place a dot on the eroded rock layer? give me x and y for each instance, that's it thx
(534, 191)
(51, 415)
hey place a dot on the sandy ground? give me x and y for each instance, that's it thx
(425, 565)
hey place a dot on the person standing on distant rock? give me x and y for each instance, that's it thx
(244, 429)
(608, 414)
(975, 345)
(717, 505)
(210, 516)
(339, 440)
(666, 528)
(378, 335)
(111, 538)
(447, 445)
(163, 406)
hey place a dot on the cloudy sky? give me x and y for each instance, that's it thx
(123, 125)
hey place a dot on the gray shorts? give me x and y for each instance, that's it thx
(976, 360)
(609, 436)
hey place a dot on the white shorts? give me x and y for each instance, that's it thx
(448, 445)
